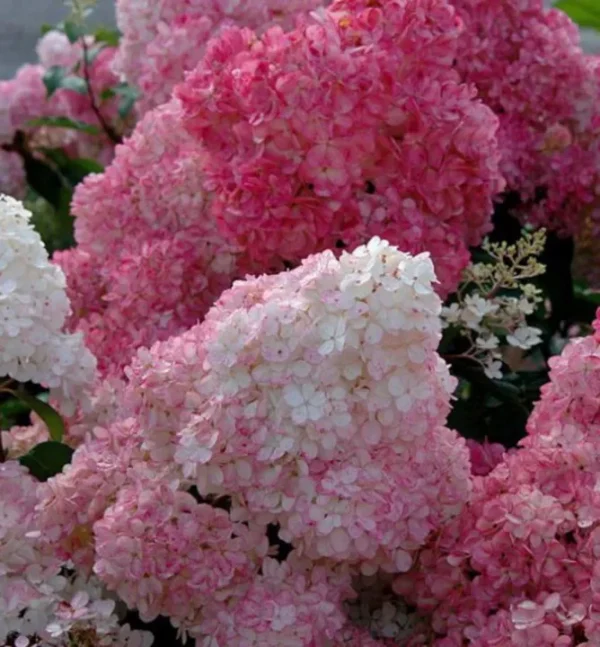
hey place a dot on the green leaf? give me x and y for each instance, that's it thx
(92, 52)
(495, 408)
(65, 234)
(584, 12)
(125, 106)
(45, 28)
(75, 83)
(44, 180)
(50, 182)
(55, 155)
(47, 459)
(73, 170)
(127, 102)
(10, 411)
(53, 79)
(73, 30)
(84, 166)
(55, 424)
(58, 77)
(107, 36)
(582, 291)
(128, 96)
(65, 122)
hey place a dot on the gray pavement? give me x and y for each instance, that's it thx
(20, 22)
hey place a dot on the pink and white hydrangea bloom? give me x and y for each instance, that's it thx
(315, 398)
(39, 604)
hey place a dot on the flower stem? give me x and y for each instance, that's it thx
(110, 132)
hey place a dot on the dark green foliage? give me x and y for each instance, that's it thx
(55, 424)
(57, 78)
(499, 409)
(47, 459)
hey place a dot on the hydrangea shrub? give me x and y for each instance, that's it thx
(286, 356)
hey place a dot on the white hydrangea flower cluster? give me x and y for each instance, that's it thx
(488, 316)
(33, 310)
(316, 399)
(39, 604)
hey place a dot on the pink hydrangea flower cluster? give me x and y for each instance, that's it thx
(165, 38)
(569, 408)
(123, 516)
(74, 500)
(294, 603)
(316, 398)
(54, 48)
(528, 66)
(164, 553)
(149, 262)
(22, 99)
(155, 246)
(354, 124)
(38, 604)
(18, 556)
(519, 565)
